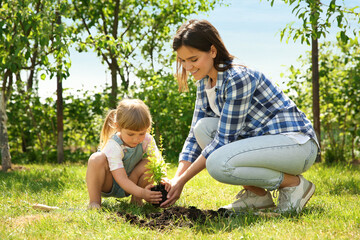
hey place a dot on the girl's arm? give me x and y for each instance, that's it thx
(130, 187)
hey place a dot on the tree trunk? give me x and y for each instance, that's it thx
(315, 72)
(60, 118)
(114, 86)
(60, 109)
(315, 89)
(30, 81)
(4, 139)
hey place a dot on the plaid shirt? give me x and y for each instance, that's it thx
(250, 105)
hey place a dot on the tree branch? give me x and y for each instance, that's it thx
(131, 22)
(116, 19)
(88, 31)
(104, 22)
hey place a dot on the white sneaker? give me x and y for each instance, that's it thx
(248, 199)
(295, 198)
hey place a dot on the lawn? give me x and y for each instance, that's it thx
(332, 213)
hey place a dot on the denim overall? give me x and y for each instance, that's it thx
(132, 156)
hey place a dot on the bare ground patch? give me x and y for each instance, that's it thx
(22, 221)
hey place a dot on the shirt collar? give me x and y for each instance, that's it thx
(219, 80)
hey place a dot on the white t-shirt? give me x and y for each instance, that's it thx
(115, 152)
(211, 95)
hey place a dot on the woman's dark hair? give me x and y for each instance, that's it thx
(200, 34)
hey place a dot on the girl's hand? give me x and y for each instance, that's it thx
(174, 193)
(153, 197)
(166, 183)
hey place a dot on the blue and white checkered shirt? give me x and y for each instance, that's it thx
(250, 105)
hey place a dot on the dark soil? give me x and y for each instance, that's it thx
(173, 217)
(160, 188)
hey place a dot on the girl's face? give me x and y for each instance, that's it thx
(200, 64)
(132, 138)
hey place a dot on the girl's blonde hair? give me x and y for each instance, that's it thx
(132, 114)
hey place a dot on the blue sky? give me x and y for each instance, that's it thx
(249, 28)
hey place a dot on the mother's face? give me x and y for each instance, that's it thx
(200, 64)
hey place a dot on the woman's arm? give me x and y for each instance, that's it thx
(183, 165)
(193, 169)
(185, 172)
(191, 149)
(130, 187)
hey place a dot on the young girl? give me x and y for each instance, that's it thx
(245, 131)
(118, 170)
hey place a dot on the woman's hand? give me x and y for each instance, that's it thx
(153, 197)
(185, 172)
(174, 193)
(167, 184)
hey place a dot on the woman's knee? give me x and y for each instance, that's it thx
(199, 128)
(215, 167)
(204, 130)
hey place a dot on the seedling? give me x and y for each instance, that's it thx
(156, 170)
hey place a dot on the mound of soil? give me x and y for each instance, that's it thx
(173, 217)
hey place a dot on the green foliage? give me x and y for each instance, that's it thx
(156, 165)
(318, 17)
(32, 130)
(29, 36)
(171, 111)
(33, 40)
(126, 33)
(339, 66)
(83, 116)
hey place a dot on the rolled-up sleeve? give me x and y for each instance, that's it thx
(191, 149)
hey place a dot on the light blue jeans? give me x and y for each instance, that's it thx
(256, 161)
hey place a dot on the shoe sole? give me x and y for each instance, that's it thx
(308, 194)
(266, 207)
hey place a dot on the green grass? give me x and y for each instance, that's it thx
(332, 213)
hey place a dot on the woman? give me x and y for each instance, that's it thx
(245, 131)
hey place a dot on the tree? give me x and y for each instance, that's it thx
(27, 37)
(4, 140)
(35, 43)
(60, 35)
(339, 76)
(317, 19)
(11, 53)
(129, 34)
(59, 41)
